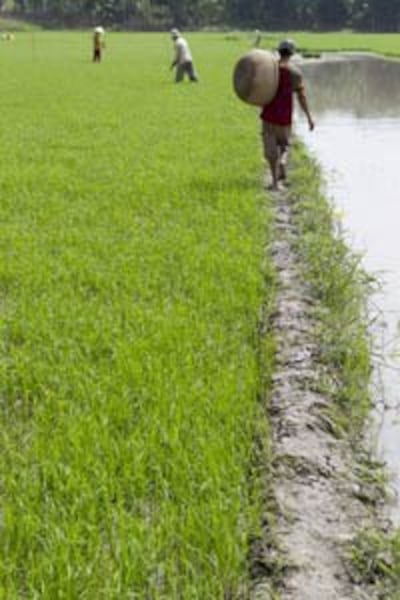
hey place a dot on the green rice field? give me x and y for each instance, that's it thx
(387, 44)
(133, 273)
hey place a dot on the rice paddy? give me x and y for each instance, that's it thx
(131, 285)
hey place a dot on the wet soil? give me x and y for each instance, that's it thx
(314, 486)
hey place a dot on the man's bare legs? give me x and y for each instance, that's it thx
(276, 149)
(274, 169)
(282, 174)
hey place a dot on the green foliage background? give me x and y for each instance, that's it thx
(372, 15)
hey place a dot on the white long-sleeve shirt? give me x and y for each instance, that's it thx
(183, 54)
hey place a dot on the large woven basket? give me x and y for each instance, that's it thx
(256, 77)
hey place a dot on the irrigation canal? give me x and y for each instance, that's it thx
(355, 101)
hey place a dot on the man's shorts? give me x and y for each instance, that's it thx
(276, 140)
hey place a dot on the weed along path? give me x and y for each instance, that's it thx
(317, 511)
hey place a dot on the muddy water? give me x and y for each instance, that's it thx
(356, 105)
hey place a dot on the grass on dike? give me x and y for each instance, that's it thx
(132, 277)
(375, 559)
(342, 289)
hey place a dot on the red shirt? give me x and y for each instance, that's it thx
(279, 111)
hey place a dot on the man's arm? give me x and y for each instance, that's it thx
(301, 96)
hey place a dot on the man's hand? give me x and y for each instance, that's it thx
(304, 107)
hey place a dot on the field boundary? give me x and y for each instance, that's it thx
(322, 498)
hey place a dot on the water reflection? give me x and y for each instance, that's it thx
(356, 104)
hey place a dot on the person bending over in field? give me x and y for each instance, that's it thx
(183, 58)
(277, 115)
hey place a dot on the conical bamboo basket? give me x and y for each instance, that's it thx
(256, 77)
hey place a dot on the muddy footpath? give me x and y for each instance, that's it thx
(319, 502)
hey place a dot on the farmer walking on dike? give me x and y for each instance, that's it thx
(183, 60)
(277, 115)
(98, 44)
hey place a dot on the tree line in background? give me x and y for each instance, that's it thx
(366, 15)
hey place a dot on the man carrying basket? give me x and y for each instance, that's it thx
(277, 115)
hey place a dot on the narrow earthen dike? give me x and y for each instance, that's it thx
(313, 488)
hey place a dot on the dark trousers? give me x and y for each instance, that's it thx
(185, 68)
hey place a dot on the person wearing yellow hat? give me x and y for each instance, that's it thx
(98, 44)
(183, 60)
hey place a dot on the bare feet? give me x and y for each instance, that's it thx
(275, 187)
(282, 177)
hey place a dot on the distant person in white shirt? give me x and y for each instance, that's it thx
(183, 58)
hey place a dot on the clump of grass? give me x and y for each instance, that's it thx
(375, 561)
(342, 288)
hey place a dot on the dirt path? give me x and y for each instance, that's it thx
(313, 486)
